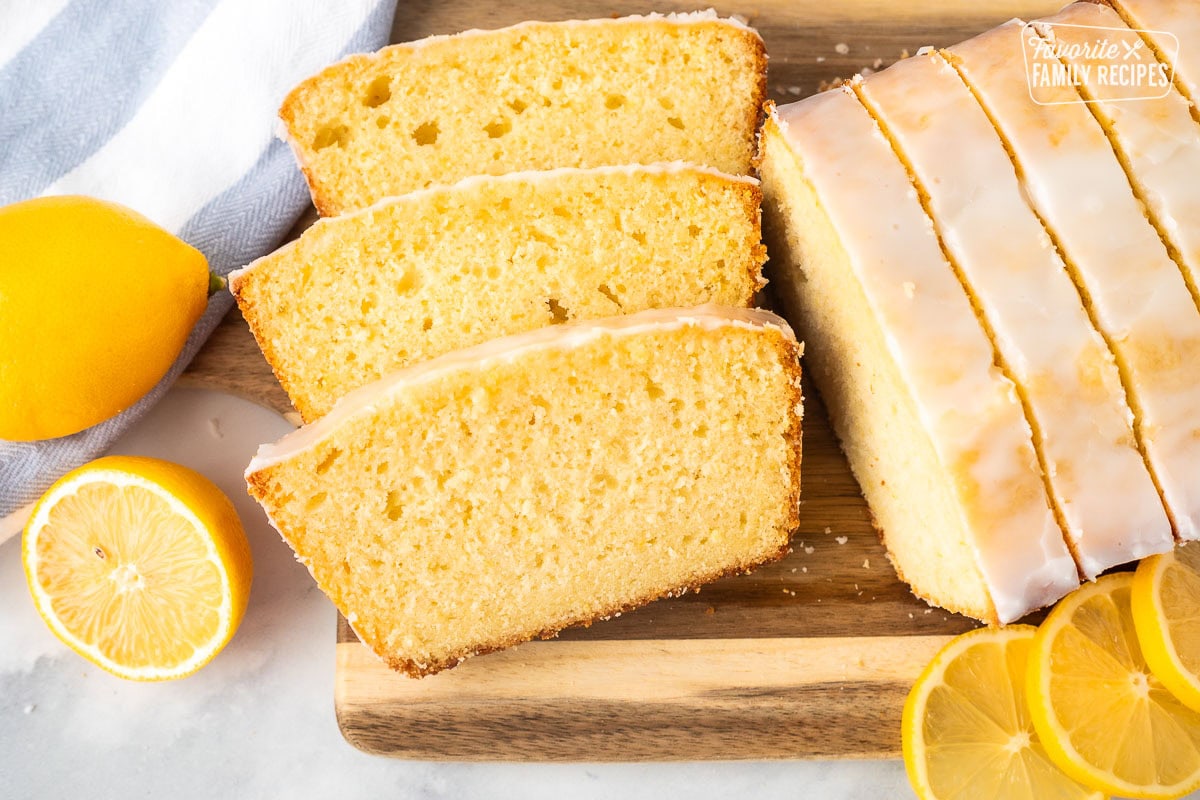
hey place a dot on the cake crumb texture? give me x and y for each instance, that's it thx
(417, 276)
(494, 502)
(534, 96)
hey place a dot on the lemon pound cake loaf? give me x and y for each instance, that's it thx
(1172, 28)
(560, 476)
(538, 95)
(1156, 137)
(934, 431)
(1065, 374)
(1135, 291)
(420, 275)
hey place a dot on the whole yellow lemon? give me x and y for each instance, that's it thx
(96, 301)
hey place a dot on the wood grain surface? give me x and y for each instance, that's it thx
(809, 657)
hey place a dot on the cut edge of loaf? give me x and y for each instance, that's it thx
(414, 669)
(957, 489)
(327, 206)
(1081, 416)
(241, 281)
(778, 541)
(841, 395)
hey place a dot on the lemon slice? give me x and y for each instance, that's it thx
(1166, 615)
(139, 565)
(966, 729)
(1102, 715)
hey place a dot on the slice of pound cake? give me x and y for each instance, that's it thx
(538, 95)
(560, 476)
(934, 431)
(426, 273)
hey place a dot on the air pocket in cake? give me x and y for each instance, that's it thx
(537, 95)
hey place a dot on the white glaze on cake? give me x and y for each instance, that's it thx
(365, 399)
(1173, 26)
(1003, 254)
(1157, 137)
(1077, 186)
(968, 408)
(474, 182)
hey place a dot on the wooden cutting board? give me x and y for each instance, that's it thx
(807, 658)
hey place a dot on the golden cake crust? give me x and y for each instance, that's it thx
(250, 313)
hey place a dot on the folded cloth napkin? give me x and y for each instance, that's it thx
(170, 109)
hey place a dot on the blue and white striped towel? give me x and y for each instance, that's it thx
(168, 108)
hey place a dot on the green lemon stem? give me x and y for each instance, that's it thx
(215, 283)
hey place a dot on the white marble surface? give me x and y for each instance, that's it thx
(258, 721)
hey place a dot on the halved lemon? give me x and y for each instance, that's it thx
(139, 565)
(1100, 712)
(1166, 614)
(966, 730)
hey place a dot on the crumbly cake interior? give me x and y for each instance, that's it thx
(909, 491)
(535, 96)
(410, 279)
(490, 505)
